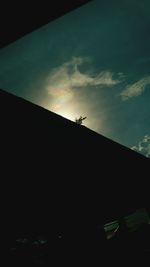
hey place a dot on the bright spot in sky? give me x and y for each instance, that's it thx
(74, 108)
(67, 111)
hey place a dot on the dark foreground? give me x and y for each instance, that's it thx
(124, 248)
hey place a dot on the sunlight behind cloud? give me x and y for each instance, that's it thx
(62, 82)
(66, 89)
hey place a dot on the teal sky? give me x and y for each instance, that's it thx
(94, 62)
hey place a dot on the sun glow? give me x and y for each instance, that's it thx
(70, 112)
(74, 109)
(66, 113)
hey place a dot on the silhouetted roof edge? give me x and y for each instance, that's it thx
(74, 124)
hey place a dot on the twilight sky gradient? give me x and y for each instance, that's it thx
(94, 62)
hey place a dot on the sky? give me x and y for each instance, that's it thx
(94, 62)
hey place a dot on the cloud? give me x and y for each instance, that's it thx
(105, 78)
(143, 146)
(63, 79)
(135, 89)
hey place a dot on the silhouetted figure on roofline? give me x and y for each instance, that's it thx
(80, 120)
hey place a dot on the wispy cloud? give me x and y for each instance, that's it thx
(135, 89)
(68, 75)
(105, 78)
(143, 146)
(63, 79)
